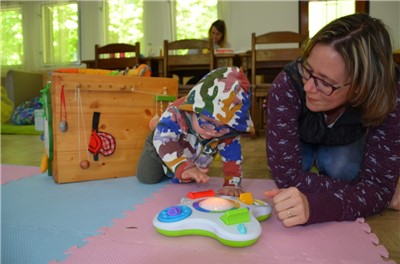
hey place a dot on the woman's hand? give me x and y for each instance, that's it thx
(291, 206)
(230, 191)
(197, 174)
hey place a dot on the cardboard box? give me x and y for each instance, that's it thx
(126, 105)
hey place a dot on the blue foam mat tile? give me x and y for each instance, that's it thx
(35, 245)
(41, 219)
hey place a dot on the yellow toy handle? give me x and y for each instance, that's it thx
(44, 165)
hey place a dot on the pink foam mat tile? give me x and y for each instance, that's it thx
(133, 239)
(15, 172)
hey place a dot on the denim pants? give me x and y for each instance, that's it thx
(339, 162)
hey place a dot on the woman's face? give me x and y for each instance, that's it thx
(326, 64)
(215, 35)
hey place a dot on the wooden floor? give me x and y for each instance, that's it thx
(28, 150)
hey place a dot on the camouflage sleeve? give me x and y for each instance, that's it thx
(169, 142)
(231, 156)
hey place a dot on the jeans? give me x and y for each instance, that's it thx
(339, 162)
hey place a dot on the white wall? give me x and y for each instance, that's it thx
(91, 33)
(157, 21)
(246, 17)
(389, 12)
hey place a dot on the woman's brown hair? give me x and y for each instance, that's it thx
(365, 45)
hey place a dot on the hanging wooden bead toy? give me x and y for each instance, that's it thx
(162, 102)
(63, 112)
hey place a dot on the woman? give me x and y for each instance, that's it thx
(333, 132)
(217, 34)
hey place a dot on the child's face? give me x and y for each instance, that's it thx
(209, 128)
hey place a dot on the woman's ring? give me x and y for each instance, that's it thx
(289, 214)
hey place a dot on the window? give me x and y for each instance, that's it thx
(305, 13)
(323, 12)
(193, 18)
(12, 40)
(60, 32)
(124, 21)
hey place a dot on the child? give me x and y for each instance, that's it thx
(194, 128)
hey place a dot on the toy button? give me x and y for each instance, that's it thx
(233, 217)
(175, 210)
(242, 229)
(196, 195)
(247, 198)
(174, 214)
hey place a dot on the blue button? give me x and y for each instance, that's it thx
(174, 213)
(175, 210)
(242, 229)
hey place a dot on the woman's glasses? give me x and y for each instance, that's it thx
(323, 86)
(209, 126)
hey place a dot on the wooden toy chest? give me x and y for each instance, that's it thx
(126, 105)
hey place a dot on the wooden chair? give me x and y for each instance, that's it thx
(116, 56)
(187, 58)
(270, 52)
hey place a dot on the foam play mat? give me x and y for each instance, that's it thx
(110, 221)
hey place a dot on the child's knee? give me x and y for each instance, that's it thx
(148, 180)
(149, 175)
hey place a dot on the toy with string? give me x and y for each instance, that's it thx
(162, 102)
(63, 112)
(84, 163)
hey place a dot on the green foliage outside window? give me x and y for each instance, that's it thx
(125, 21)
(12, 48)
(194, 18)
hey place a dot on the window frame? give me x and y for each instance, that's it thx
(46, 41)
(361, 7)
(8, 5)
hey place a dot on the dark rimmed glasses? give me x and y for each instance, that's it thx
(321, 85)
(208, 125)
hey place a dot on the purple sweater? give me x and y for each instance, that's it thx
(331, 199)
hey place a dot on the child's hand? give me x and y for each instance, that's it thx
(230, 191)
(199, 175)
